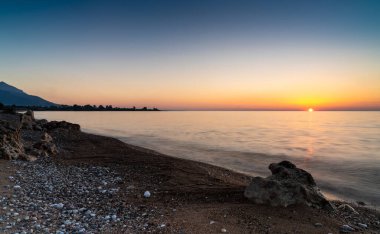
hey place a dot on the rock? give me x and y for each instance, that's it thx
(38, 128)
(347, 208)
(67, 222)
(362, 225)
(318, 225)
(288, 185)
(27, 157)
(147, 194)
(61, 124)
(46, 137)
(10, 143)
(27, 120)
(346, 229)
(361, 203)
(223, 230)
(58, 205)
(45, 146)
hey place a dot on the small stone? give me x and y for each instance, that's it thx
(318, 225)
(223, 230)
(212, 222)
(348, 208)
(67, 222)
(17, 187)
(346, 229)
(362, 225)
(147, 194)
(58, 205)
(361, 203)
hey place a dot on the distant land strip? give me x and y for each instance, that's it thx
(73, 108)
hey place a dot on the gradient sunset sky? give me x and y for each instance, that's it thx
(197, 54)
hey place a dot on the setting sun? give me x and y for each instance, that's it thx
(310, 110)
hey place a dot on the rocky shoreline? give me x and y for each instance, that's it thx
(52, 198)
(67, 181)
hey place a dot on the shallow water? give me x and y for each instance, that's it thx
(340, 149)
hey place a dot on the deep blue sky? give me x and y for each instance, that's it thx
(143, 21)
(146, 43)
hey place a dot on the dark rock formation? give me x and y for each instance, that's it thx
(45, 146)
(10, 144)
(22, 137)
(288, 185)
(61, 124)
(27, 120)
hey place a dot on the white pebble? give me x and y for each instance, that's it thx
(362, 225)
(58, 205)
(147, 194)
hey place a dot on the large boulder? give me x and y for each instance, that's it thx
(45, 147)
(288, 185)
(10, 144)
(27, 120)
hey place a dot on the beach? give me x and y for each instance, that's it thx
(98, 184)
(339, 149)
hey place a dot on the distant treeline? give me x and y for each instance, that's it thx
(74, 108)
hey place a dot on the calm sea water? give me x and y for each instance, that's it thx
(340, 149)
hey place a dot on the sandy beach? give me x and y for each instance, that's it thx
(96, 184)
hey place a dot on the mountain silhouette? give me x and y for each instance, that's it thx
(10, 95)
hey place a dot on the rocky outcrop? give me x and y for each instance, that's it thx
(36, 142)
(27, 120)
(61, 124)
(10, 144)
(45, 147)
(288, 185)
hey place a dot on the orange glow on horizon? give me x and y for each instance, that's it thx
(239, 80)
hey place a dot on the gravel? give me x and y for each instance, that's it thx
(56, 198)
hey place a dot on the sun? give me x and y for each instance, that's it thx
(310, 109)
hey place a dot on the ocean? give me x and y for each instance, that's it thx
(341, 149)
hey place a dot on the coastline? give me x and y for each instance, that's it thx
(329, 194)
(186, 196)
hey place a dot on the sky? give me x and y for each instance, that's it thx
(195, 55)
